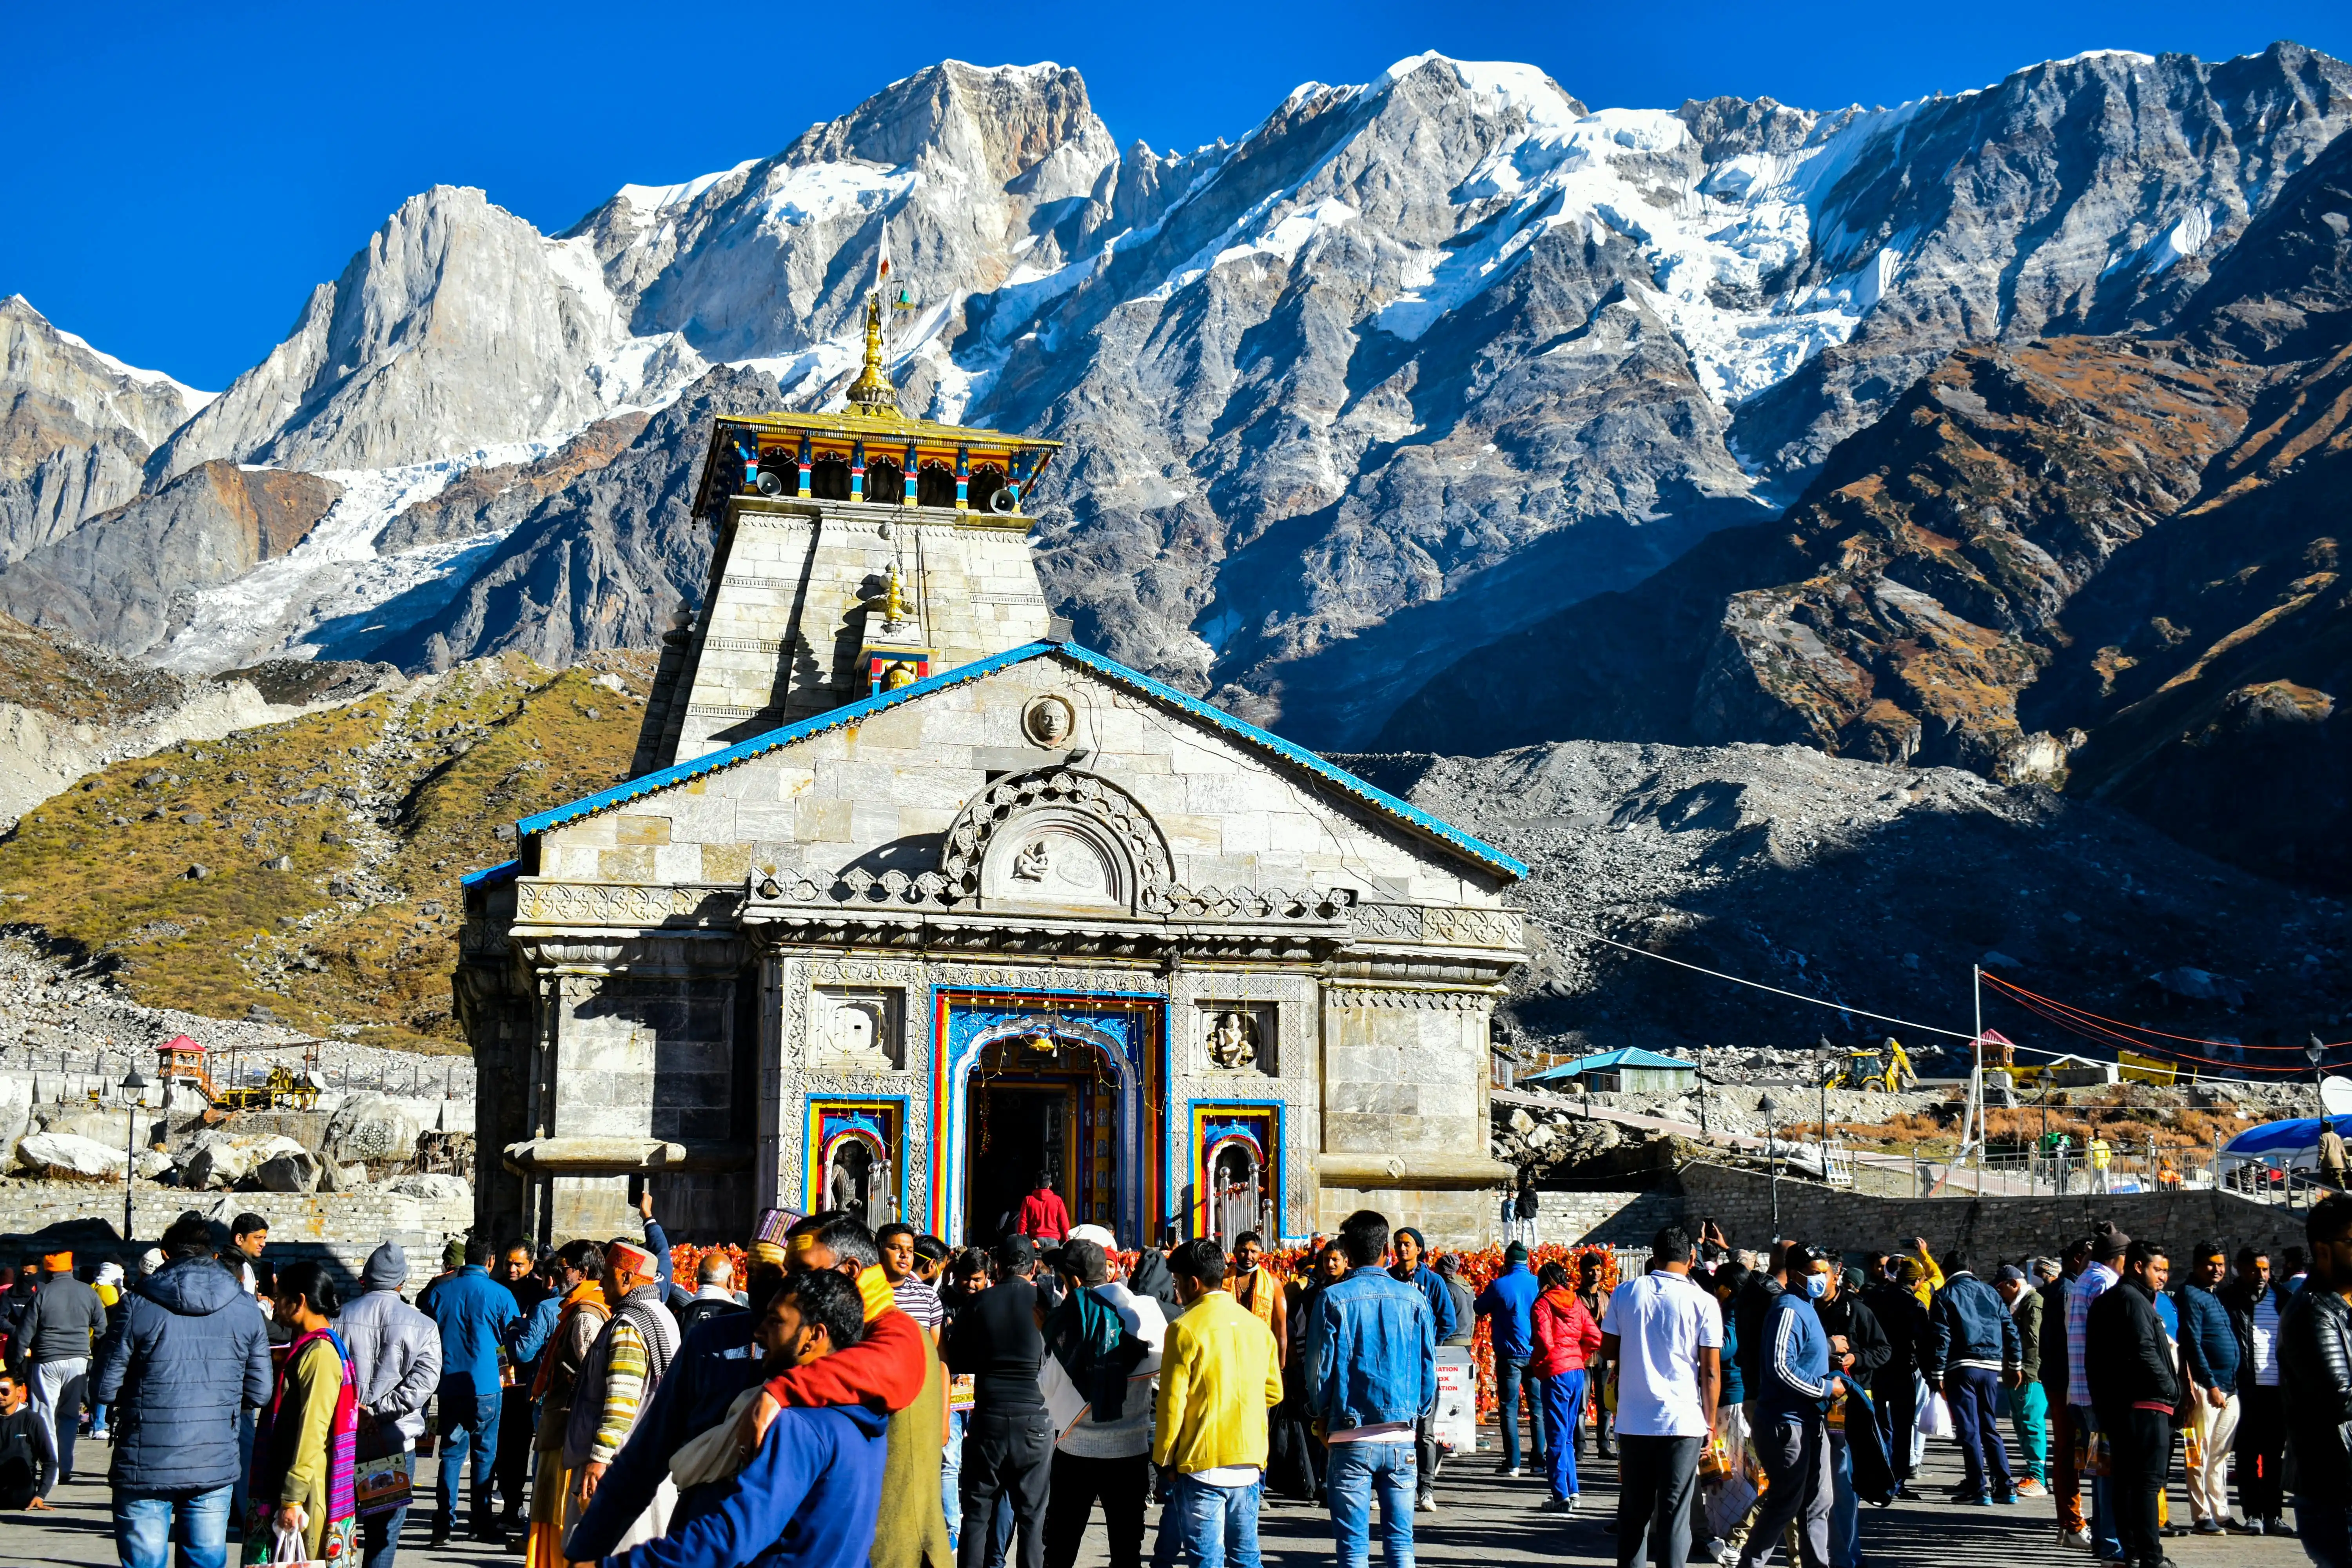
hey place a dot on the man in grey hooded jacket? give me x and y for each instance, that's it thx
(396, 1360)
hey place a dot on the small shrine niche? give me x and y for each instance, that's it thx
(1237, 1037)
(853, 1030)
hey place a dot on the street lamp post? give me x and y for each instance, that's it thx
(1770, 1108)
(2315, 1050)
(134, 1096)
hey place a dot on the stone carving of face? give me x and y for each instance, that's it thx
(1048, 721)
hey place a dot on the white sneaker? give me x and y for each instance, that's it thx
(1425, 1505)
(1513, 1472)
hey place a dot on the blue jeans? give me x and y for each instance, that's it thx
(1356, 1471)
(2325, 1527)
(147, 1524)
(247, 1416)
(380, 1538)
(1845, 1510)
(951, 1475)
(467, 1420)
(2099, 1511)
(1562, 1392)
(1214, 1526)
(1510, 1374)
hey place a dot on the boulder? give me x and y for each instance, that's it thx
(98, 1126)
(15, 1114)
(66, 1155)
(295, 1171)
(220, 1163)
(334, 1178)
(152, 1164)
(435, 1187)
(374, 1128)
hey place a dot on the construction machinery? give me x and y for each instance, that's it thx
(1886, 1068)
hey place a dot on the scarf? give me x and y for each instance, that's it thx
(1085, 1335)
(586, 1296)
(337, 1533)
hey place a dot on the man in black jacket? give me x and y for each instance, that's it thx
(1894, 1386)
(1008, 1445)
(2135, 1389)
(1858, 1348)
(2314, 1355)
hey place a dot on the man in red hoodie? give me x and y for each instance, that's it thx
(1043, 1217)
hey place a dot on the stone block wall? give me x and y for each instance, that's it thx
(337, 1228)
(1986, 1230)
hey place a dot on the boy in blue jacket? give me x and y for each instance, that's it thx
(810, 1495)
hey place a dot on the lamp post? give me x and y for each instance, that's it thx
(1770, 1108)
(2315, 1050)
(134, 1096)
(1822, 1072)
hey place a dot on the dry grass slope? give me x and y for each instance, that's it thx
(374, 811)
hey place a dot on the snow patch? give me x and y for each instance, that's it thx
(188, 395)
(336, 573)
(2185, 237)
(652, 199)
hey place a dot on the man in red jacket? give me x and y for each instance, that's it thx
(1043, 1217)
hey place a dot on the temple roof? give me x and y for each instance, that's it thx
(1411, 818)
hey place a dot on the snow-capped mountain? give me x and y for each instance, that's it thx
(1405, 368)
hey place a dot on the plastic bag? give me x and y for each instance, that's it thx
(1934, 1417)
(1728, 1504)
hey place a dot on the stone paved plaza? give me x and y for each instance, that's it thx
(1483, 1520)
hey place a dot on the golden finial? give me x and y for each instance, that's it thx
(894, 608)
(872, 393)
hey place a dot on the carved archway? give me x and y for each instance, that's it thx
(1058, 836)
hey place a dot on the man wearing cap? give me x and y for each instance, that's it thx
(1792, 1408)
(1102, 1360)
(2099, 1276)
(65, 1320)
(1410, 1252)
(473, 1312)
(2029, 1404)
(1507, 1303)
(620, 1375)
(396, 1364)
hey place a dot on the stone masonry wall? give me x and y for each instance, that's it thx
(1986, 1230)
(339, 1229)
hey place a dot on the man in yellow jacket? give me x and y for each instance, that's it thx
(1218, 1376)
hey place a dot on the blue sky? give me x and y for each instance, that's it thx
(178, 178)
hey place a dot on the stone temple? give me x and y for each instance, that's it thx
(910, 899)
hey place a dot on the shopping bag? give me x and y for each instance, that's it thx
(1728, 1504)
(2090, 1452)
(1934, 1417)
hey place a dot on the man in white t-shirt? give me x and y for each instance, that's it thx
(1662, 1337)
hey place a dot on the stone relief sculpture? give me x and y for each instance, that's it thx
(1233, 1039)
(1048, 720)
(853, 1031)
(1032, 862)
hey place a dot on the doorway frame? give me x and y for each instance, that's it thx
(1202, 1119)
(889, 1110)
(1128, 1029)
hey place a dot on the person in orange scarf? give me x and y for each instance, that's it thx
(580, 1320)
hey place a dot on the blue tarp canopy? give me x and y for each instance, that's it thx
(2285, 1137)
(1632, 1056)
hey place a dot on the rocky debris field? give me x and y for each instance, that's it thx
(1869, 886)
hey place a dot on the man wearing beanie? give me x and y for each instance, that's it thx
(1507, 1303)
(2108, 1245)
(396, 1364)
(1410, 1251)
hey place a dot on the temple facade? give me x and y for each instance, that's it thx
(911, 902)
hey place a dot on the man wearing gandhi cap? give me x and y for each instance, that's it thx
(623, 1369)
(65, 1320)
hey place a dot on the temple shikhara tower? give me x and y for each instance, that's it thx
(910, 899)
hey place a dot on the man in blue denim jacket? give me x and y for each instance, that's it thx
(1370, 1373)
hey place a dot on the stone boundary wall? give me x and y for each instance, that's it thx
(1986, 1230)
(1618, 1219)
(337, 1228)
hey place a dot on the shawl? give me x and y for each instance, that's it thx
(1083, 1334)
(586, 1296)
(331, 1539)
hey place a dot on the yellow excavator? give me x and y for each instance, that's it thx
(1887, 1068)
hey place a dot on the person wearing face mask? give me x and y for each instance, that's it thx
(1792, 1408)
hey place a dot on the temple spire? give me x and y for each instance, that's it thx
(872, 393)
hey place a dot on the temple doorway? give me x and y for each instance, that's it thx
(1236, 1193)
(1039, 1105)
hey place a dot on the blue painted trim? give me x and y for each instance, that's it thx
(1279, 1153)
(1290, 752)
(865, 708)
(761, 745)
(489, 876)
